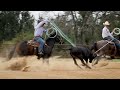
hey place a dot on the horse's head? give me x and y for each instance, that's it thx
(57, 38)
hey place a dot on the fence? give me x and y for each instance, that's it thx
(4, 49)
(59, 49)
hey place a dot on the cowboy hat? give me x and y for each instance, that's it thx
(106, 23)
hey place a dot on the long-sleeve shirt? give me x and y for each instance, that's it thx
(39, 29)
(106, 32)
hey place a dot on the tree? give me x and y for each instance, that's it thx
(14, 22)
(9, 24)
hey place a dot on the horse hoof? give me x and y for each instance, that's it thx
(25, 69)
(38, 57)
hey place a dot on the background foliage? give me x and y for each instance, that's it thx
(82, 27)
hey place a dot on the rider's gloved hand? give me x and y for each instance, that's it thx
(46, 21)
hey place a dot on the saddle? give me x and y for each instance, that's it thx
(33, 43)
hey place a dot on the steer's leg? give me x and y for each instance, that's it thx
(86, 64)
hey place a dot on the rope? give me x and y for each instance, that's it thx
(51, 33)
(61, 33)
(116, 31)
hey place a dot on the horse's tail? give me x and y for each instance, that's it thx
(94, 47)
(11, 53)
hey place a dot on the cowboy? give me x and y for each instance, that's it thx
(106, 35)
(39, 30)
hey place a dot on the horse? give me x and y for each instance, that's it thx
(105, 47)
(23, 48)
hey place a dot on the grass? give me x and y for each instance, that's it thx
(116, 60)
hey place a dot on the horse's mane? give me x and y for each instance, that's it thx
(47, 39)
(52, 35)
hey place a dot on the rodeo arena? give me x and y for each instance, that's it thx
(78, 62)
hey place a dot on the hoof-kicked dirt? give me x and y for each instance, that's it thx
(58, 68)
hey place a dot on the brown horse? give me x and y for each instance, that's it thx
(105, 47)
(24, 49)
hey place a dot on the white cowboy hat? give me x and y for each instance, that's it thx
(106, 23)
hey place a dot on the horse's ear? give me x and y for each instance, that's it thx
(52, 35)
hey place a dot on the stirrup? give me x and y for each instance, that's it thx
(41, 53)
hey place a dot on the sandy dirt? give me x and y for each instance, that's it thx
(58, 68)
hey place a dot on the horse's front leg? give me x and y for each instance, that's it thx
(98, 57)
(95, 61)
(38, 57)
(45, 60)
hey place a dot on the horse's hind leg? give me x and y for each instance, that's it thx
(38, 55)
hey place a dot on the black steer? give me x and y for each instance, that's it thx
(82, 53)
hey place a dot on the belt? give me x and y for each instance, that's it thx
(38, 36)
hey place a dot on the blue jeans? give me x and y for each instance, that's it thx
(41, 42)
(116, 41)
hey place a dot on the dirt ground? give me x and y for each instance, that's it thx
(58, 68)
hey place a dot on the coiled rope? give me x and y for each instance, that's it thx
(57, 30)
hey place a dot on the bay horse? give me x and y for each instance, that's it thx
(24, 49)
(109, 49)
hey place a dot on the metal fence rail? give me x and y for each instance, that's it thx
(58, 49)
